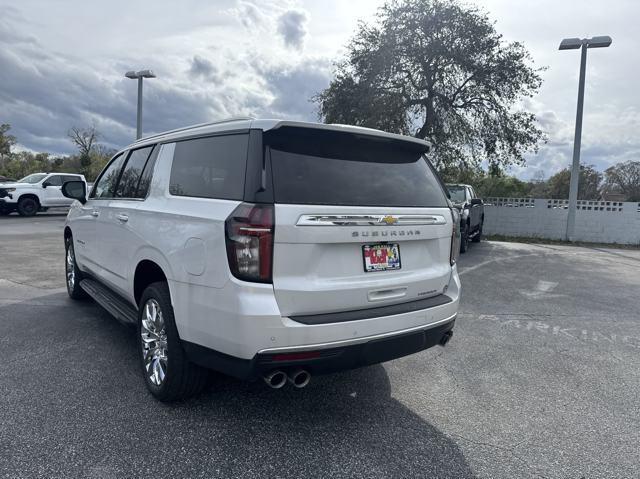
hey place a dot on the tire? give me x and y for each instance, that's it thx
(478, 236)
(73, 275)
(28, 206)
(464, 239)
(168, 373)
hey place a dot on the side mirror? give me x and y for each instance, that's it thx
(76, 190)
(476, 201)
(45, 184)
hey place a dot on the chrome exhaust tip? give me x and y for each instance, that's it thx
(446, 337)
(275, 379)
(299, 378)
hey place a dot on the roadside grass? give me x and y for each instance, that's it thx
(533, 240)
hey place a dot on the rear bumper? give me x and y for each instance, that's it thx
(326, 358)
(242, 320)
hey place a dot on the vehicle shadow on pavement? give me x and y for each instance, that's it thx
(73, 403)
(13, 216)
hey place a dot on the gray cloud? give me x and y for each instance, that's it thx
(250, 14)
(294, 87)
(202, 67)
(292, 25)
(45, 93)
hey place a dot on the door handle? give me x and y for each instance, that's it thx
(122, 217)
(95, 213)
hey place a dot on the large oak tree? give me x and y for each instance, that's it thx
(624, 178)
(437, 69)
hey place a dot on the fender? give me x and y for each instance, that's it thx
(149, 253)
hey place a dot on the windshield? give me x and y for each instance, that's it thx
(457, 194)
(32, 178)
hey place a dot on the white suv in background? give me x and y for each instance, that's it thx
(266, 248)
(35, 192)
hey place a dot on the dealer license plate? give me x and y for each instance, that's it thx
(381, 257)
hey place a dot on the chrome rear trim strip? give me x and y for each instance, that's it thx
(370, 220)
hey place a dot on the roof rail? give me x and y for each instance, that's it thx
(199, 125)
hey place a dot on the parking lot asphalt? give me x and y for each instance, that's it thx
(541, 379)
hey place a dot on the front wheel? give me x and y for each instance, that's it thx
(72, 273)
(168, 373)
(28, 206)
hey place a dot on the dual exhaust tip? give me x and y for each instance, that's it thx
(277, 379)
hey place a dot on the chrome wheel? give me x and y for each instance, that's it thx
(154, 342)
(71, 267)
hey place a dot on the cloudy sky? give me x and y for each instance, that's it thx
(62, 65)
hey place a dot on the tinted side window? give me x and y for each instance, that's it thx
(54, 180)
(211, 167)
(106, 184)
(145, 179)
(128, 184)
(70, 178)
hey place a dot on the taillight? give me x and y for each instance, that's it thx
(249, 238)
(455, 237)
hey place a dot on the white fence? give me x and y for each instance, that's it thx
(596, 221)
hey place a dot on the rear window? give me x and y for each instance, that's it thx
(212, 167)
(457, 194)
(329, 168)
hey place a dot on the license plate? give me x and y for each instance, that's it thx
(381, 257)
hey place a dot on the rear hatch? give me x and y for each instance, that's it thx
(360, 222)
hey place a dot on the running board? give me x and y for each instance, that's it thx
(113, 303)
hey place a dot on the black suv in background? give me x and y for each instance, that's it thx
(471, 209)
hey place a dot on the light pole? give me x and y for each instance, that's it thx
(583, 44)
(139, 75)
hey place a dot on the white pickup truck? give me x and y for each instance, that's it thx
(35, 192)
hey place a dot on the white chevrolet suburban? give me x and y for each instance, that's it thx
(266, 248)
(35, 192)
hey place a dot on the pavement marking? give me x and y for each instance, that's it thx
(517, 256)
(542, 289)
(543, 327)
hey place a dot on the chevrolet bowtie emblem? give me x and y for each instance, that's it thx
(390, 220)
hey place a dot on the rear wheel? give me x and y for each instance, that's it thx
(27, 206)
(478, 236)
(72, 273)
(167, 371)
(464, 238)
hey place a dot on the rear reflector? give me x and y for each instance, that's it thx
(296, 356)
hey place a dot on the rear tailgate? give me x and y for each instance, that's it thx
(321, 268)
(360, 222)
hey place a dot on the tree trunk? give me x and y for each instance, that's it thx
(427, 127)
